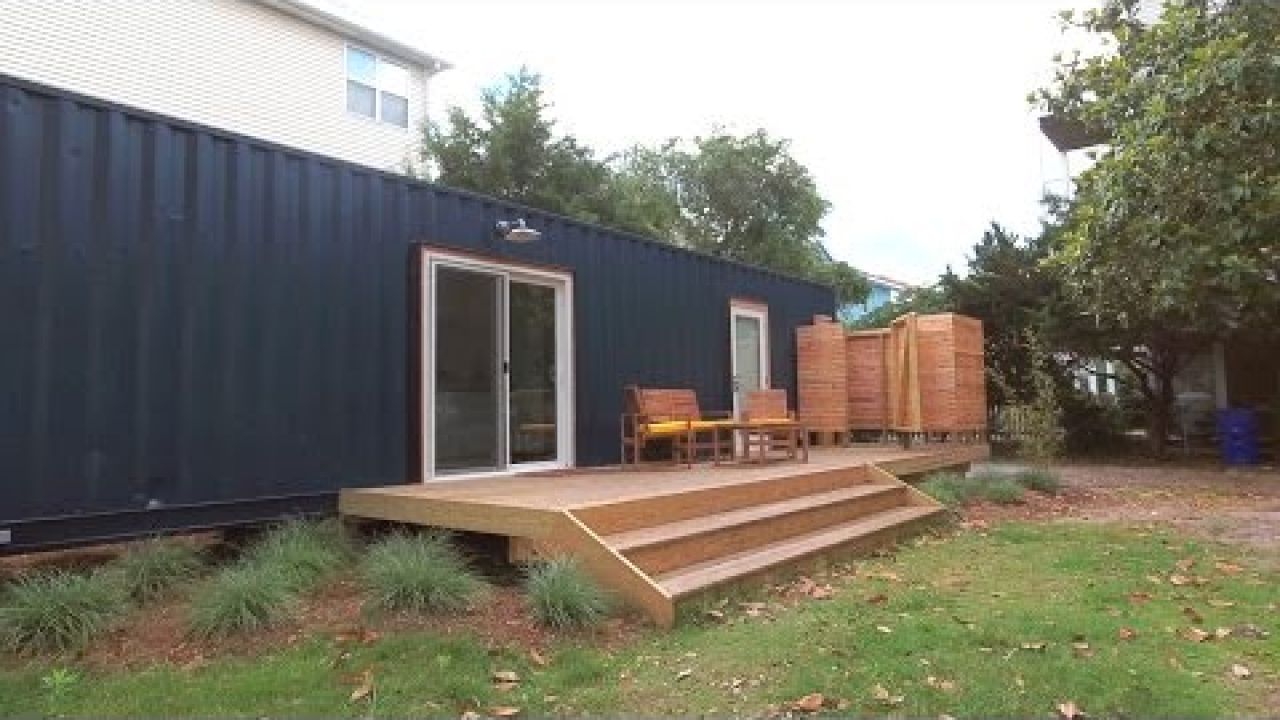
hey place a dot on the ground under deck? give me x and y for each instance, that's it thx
(635, 528)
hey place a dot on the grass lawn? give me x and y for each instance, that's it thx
(1007, 622)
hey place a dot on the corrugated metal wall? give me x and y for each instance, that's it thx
(189, 317)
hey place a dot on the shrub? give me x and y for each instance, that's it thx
(954, 490)
(562, 596)
(949, 489)
(303, 551)
(58, 610)
(1001, 490)
(1040, 480)
(421, 573)
(151, 568)
(242, 597)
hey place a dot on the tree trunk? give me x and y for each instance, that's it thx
(1159, 415)
(1164, 366)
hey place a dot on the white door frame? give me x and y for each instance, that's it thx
(757, 311)
(434, 258)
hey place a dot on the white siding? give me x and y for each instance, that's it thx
(232, 64)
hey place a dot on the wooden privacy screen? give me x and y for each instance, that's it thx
(924, 373)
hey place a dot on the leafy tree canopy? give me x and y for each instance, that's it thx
(743, 198)
(1173, 236)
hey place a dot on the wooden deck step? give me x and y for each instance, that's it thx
(872, 530)
(685, 503)
(672, 545)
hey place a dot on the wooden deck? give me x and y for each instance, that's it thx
(657, 535)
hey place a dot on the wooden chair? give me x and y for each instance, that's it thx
(768, 424)
(669, 413)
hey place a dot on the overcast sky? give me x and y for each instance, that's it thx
(912, 115)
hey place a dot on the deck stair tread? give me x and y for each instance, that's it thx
(658, 534)
(703, 575)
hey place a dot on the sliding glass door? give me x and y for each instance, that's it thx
(497, 395)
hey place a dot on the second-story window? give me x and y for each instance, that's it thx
(376, 88)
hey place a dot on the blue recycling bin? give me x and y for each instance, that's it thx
(1238, 436)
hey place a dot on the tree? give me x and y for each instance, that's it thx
(743, 198)
(1173, 236)
(512, 151)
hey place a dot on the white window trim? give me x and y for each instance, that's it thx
(377, 91)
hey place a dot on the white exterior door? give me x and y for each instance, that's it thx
(749, 350)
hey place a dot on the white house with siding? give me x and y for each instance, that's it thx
(302, 73)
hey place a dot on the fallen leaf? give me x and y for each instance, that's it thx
(504, 711)
(884, 629)
(1069, 710)
(1251, 631)
(365, 687)
(1192, 615)
(878, 599)
(1196, 635)
(717, 615)
(940, 684)
(884, 697)
(810, 703)
(538, 658)
(822, 592)
(1036, 646)
(1222, 633)
(470, 715)
(1185, 564)
(1139, 597)
(1127, 633)
(1082, 649)
(683, 674)
(1228, 568)
(1240, 671)
(506, 676)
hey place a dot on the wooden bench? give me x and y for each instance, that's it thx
(670, 413)
(768, 424)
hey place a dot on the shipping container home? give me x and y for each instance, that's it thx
(200, 329)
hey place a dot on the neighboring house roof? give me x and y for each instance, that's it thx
(341, 19)
(887, 282)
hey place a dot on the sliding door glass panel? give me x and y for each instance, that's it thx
(468, 372)
(532, 349)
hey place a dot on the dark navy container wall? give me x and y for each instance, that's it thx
(198, 328)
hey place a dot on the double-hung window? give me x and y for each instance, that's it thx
(377, 88)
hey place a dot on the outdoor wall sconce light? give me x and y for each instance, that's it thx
(516, 231)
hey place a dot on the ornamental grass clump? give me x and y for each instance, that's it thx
(562, 596)
(421, 572)
(58, 611)
(151, 568)
(242, 597)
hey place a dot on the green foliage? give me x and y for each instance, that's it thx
(1170, 238)
(1040, 480)
(968, 603)
(744, 198)
(243, 597)
(58, 611)
(923, 300)
(149, 569)
(306, 551)
(562, 596)
(258, 589)
(1002, 488)
(419, 573)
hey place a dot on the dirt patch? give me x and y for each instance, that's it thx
(1240, 506)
